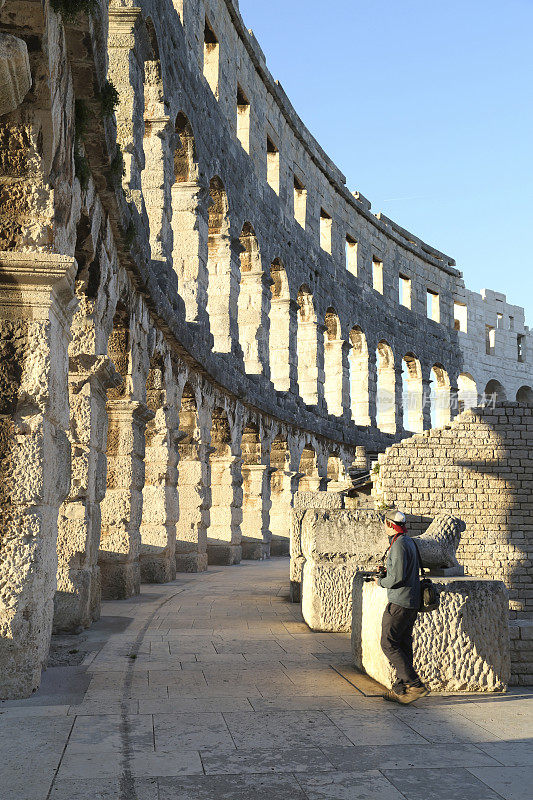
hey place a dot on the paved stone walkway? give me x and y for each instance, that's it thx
(212, 688)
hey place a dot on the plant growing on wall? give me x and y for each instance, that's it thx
(69, 9)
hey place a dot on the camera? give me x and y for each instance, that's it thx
(380, 572)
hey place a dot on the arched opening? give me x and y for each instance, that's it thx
(358, 358)
(256, 497)
(160, 495)
(280, 325)
(412, 394)
(253, 334)
(224, 534)
(440, 396)
(494, 393)
(466, 392)
(281, 496)
(223, 289)
(307, 347)
(185, 167)
(386, 388)
(310, 479)
(193, 480)
(188, 225)
(524, 395)
(333, 367)
(336, 474)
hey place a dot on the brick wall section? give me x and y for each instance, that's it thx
(479, 468)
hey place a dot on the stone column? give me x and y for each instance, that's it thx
(279, 343)
(155, 179)
(224, 534)
(252, 329)
(122, 505)
(281, 501)
(36, 307)
(160, 507)
(372, 387)
(426, 403)
(78, 594)
(454, 401)
(256, 511)
(194, 504)
(334, 375)
(190, 232)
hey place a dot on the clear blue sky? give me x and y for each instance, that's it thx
(427, 109)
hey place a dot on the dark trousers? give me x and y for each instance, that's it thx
(397, 643)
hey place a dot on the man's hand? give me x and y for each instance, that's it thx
(376, 578)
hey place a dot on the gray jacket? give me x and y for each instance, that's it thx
(402, 580)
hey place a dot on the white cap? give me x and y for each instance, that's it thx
(395, 516)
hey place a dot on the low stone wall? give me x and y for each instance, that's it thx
(463, 646)
(479, 468)
(336, 544)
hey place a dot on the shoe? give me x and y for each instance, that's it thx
(416, 692)
(395, 697)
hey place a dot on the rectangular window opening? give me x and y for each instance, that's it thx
(499, 321)
(521, 343)
(243, 119)
(405, 290)
(325, 230)
(377, 275)
(511, 323)
(433, 305)
(211, 57)
(351, 255)
(300, 202)
(490, 340)
(460, 317)
(272, 165)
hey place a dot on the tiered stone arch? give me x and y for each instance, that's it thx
(524, 395)
(495, 391)
(308, 469)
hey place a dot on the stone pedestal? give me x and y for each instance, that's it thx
(463, 646)
(255, 512)
(36, 307)
(122, 505)
(78, 594)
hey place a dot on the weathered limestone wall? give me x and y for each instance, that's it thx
(36, 307)
(479, 469)
(463, 646)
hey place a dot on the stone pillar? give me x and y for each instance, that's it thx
(372, 387)
(190, 232)
(15, 73)
(224, 534)
(78, 594)
(155, 180)
(454, 401)
(334, 375)
(122, 505)
(426, 403)
(194, 504)
(160, 507)
(36, 307)
(279, 342)
(253, 336)
(256, 511)
(224, 280)
(283, 488)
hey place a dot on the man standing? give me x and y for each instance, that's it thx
(402, 581)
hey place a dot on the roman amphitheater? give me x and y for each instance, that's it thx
(200, 320)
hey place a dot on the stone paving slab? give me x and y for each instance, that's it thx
(213, 688)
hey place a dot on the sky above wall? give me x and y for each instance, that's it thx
(427, 109)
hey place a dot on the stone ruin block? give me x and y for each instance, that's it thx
(336, 545)
(463, 646)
